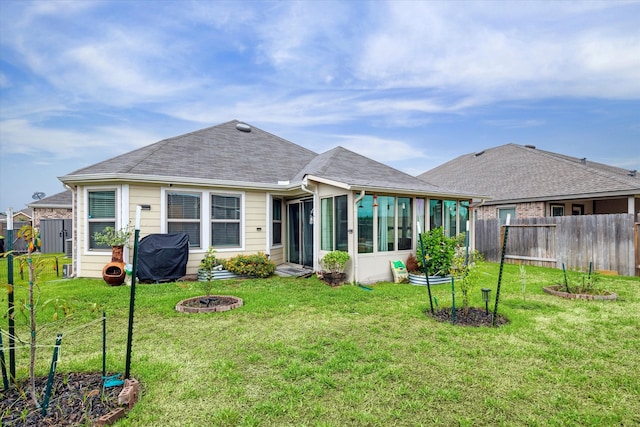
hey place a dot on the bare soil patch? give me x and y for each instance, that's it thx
(474, 317)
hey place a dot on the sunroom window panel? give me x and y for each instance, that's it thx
(386, 223)
(326, 226)
(365, 224)
(405, 214)
(342, 223)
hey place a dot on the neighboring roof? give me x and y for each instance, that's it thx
(221, 153)
(514, 173)
(227, 154)
(60, 200)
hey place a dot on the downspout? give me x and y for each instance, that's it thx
(303, 187)
(355, 236)
(74, 235)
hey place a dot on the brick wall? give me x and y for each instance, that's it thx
(50, 213)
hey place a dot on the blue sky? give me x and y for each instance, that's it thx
(411, 84)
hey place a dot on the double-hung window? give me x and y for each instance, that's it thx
(276, 222)
(101, 214)
(225, 221)
(183, 215)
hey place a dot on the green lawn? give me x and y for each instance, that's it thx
(301, 353)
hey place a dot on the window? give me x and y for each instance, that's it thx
(577, 209)
(450, 215)
(386, 223)
(463, 213)
(435, 214)
(557, 210)
(503, 212)
(334, 233)
(365, 225)
(102, 214)
(405, 216)
(342, 223)
(183, 215)
(225, 221)
(276, 222)
(326, 226)
(420, 219)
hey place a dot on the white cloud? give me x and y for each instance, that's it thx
(380, 149)
(482, 50)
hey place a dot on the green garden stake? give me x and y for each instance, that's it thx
(424, 268)
(52, 371)
(590, 267)
(5, 378)
(453, 301)
(566, 282)
(133, 292)
(504, 249)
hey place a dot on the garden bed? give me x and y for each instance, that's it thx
(560, 291)
(474, 317)
(76, 399)
(209, 304)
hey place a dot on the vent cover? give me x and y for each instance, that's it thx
(243, 127)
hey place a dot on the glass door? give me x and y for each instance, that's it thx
(300, 233)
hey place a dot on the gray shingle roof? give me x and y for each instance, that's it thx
(220, 152)
(342, 165)
(58, 200)
(514, 172)
(224, 153)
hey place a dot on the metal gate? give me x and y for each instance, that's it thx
(53, 234)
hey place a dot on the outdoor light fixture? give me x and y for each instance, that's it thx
(485, 298)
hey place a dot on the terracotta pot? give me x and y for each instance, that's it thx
(113, 273)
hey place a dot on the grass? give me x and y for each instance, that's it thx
(300, 353)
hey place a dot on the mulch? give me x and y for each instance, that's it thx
(474, 317)
(76, 399)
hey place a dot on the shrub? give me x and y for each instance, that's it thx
(335, 261)
(257, 265)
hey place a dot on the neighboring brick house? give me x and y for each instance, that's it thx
(527, 182)
(58, 206)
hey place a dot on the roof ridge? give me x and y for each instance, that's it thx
(577, 163)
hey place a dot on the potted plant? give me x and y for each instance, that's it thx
(439, 253)
(333, 265)
(114, 272)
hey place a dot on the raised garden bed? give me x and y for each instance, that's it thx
(560, 291)
(209, 304)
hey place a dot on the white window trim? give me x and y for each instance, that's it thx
(121, 209)
(205, 216)
(239, 194)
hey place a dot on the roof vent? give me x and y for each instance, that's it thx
(533, 147)
(479, 153)
(633, 173)
(583, 160)
(243, 127)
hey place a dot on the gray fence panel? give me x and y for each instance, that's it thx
(53, 234)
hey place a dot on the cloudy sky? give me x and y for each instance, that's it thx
(411, 84)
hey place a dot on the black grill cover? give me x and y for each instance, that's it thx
(163, 257)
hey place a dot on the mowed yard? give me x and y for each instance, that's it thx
(300, 353)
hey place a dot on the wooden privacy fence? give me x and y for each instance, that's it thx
(609, 241)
